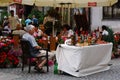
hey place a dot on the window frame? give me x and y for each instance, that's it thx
(113, 15)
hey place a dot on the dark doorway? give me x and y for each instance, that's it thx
(82, 19)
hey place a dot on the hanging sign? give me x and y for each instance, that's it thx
(18, 1)
(92, 4)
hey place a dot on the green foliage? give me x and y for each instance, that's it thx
(60, 41)
(110, 38)
(3, 13)
(0, 24)
(39, 15)
(111, 35)
(23, 22)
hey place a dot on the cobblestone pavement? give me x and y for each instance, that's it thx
(17, 74)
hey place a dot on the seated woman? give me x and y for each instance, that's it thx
(35, 53)
(67, 31)
(38, 32)
(107, 34)
(40, 35)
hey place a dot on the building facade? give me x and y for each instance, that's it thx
(109, 16)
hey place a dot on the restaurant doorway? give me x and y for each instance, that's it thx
(82, 19)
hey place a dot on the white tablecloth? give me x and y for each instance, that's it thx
(82, 61)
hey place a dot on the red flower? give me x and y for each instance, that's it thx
(8, 59)
(116, 37)
(40, 41)
(11, 41)
(64, 38)
(3, 56)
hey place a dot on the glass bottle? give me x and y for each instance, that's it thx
(56, 68)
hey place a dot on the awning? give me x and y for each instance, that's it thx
(72, 3)
(58, 3)
(8, 2)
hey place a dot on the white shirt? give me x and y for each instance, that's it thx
(105, 32)
(70, 33)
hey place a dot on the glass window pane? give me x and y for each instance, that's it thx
(111, 12)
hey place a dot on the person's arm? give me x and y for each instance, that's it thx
(37, 47)
(17, 19)
(45, 20)
(34, 43)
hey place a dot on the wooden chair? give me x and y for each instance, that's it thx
(26, 46)
(52, 43)
(16, 39)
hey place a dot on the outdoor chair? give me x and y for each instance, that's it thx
(16, 39)
(26, 46)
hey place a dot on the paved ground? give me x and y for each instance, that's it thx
(16, 74)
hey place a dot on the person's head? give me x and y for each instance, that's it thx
(104, 27)
(66, 27)
(33, 16)
(30, 29)
(18, 27)
(42, 27)
(36, 28)
(12, 12)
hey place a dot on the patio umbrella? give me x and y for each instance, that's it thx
(5, 2)
(73, 3)
(69, 4)
(8, 2)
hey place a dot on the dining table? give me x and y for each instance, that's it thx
(83, 60)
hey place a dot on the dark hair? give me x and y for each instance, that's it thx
(36, 25)
(29, 23)
(104, 27)
(66, 26)
(57, 33)
(11, 11)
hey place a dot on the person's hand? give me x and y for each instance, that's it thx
(38, 47)
(45, 35)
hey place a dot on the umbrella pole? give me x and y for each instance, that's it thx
(62, 14)
(62, 9)
(69, 12)
(53, 28)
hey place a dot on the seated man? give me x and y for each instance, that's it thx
(35, 52)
